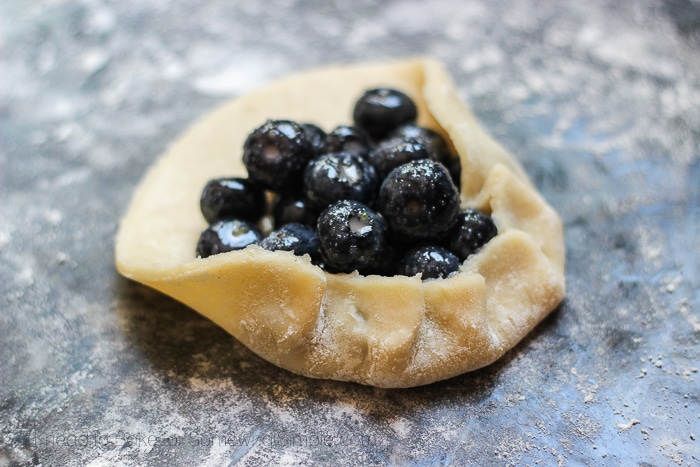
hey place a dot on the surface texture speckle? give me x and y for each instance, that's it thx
(599, 100)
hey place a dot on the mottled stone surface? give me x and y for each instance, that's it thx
(600, 100)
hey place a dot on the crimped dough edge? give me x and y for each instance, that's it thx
(380, 331)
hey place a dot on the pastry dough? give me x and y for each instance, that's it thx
(381, 331)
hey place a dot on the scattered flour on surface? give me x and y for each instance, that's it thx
(628, 425)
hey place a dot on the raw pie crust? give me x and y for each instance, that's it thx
(381, 331)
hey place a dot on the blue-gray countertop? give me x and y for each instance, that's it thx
(600, 100)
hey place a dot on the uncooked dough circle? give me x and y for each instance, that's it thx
(381, 331)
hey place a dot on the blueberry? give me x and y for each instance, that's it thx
(437, 145)
(473, 230)
(316, 136)
(299, 238)
(337, 176)
(227, 235)
(439, 149)
(393, 152)
(431, 261)
(419, 200)
(351, 235)
(229, 198)
(275, 155)
(293, 209)
(350, 139)
(379, 111)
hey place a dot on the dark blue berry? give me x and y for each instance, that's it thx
(316, 136)
(275, 155)
(379, 111)
(439, 149)
(229, 198)
(419, 200)
(431, 261)
(351, 236)
(227, 235)
(437, 145)
(473, 230)
(337, 176)
(299, 238)
(350, 139)
(391, 153)
(293, 209)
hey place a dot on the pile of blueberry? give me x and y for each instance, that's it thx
(380, 196)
